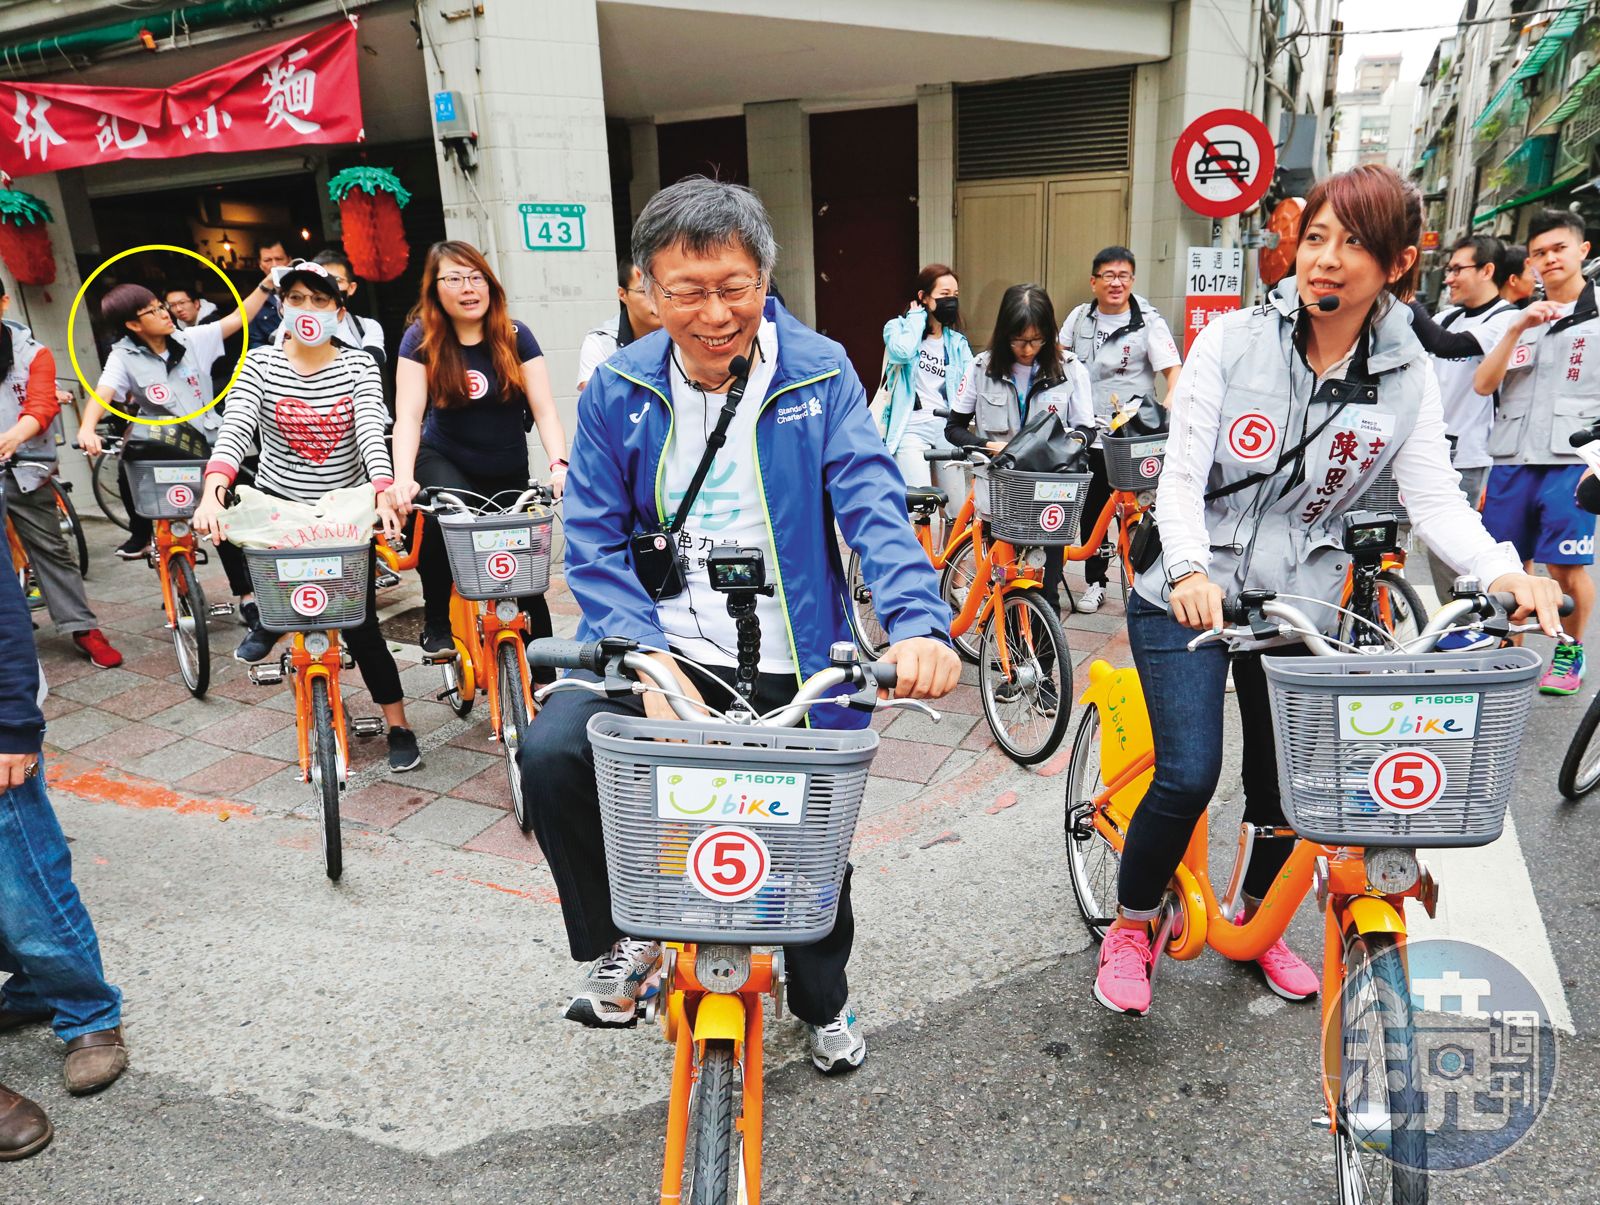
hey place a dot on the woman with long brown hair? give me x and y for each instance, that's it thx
(470, 383)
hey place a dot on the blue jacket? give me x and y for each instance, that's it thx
(21, 723)
(819, 461)
(902, 337)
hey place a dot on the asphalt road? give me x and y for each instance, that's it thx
(393, 1039)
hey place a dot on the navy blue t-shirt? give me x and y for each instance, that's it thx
(485, 435)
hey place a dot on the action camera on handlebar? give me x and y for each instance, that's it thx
(1369, 536)
(737, 571)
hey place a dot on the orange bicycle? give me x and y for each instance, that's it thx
(690, 865)
(166, 492)
(316, 593)
(498, 554)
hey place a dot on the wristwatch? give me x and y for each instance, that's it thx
(1179, 570)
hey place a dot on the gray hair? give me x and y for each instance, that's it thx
(703, 216)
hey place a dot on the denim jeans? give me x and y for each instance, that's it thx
(1184, 692)
(47, 941)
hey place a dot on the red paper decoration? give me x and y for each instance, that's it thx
(370, 199)
(25, 238)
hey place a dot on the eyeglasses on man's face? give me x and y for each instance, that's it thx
(1454, 269)
(1111, 278)
(151, 310)
(456, 281)
(735, 292)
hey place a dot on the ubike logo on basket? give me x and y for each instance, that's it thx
(1443, 717)
(172, 474)
(502, 539)
(749, 797)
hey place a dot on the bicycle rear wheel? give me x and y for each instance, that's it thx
(1580, 769)
(1091, 860)
(71, 525)
(513, 723)
(190, 639)
(714, 1149)
(1380, 1140)
(1026, 708)
(954, 581)
(871, 638)
(103, 480)
(325, 776)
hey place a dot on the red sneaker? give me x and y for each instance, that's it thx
(97, 648)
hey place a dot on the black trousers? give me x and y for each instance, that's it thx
(433, 468)
(142, 529)
(1094, 569)
(558, 783)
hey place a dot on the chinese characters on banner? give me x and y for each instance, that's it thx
(299, 91)
(1215, 285)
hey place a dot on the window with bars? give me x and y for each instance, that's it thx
(1045, 125)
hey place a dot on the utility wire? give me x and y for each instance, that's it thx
(1361, 33)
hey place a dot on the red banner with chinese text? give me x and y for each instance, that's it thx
(301, 91)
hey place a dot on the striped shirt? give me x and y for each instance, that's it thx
(317, 433)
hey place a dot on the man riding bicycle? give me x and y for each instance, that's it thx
(801, 454)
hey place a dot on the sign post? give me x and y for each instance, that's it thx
(1214, 283)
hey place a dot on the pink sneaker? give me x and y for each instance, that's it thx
(1286, 972)
(1122, 982)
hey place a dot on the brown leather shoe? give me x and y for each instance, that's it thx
(15, 1019)
(24, 1128)
(94, 1061)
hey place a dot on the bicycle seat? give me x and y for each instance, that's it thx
(926, 499)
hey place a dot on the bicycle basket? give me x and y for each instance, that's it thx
(723, 832)
(165, 489)
(1412, 751)
(1034, 509)
(1133, 462)
(310, 589)
(1383, 496)
(499, 556)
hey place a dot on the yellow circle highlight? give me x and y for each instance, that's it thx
(72, 346)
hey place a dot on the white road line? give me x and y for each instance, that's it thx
(1486, 897)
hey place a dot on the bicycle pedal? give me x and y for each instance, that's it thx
(438, 658)
(385, 579)
(221, 609)
(367, 726)
(266, 675)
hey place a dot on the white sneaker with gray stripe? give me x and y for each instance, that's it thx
(838, 1046)
(614, 983)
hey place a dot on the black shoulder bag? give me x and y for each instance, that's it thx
(661, 570)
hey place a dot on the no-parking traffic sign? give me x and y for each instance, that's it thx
(1223, 163)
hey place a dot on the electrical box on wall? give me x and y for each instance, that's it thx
(452, 116)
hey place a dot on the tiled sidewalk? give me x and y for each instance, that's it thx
(134, 735)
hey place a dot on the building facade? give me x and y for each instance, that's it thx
(1507, 121)
(1010, 139)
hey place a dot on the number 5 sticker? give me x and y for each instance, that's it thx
(1407, 780)
(1252, 437)
(728, 864)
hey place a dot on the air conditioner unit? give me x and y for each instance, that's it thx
(1579, 67)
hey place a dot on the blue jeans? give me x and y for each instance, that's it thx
(1184, 692)
(47, 941)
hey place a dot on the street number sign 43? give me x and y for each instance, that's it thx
(552, 227)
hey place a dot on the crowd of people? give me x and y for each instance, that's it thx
(711, 415)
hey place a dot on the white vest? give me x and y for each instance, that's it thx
(29, 475)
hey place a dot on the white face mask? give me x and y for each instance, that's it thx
(311, 327)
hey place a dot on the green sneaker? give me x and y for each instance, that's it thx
(1565, 675)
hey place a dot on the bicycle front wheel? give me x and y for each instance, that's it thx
(514, 723)
(71, 526)
(714, 1149)
(103, 479)
(1380, 1143)
(955, 580)
(1027, 706)
(1580, 769)
(871, 638)
(1092, 861)
(1400, 605)
(190, 639)
(325, 777)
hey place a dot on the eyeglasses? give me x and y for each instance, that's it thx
(455, 281)
(150, 311)
(1454, 269)
(1026, 344)
(641, 290)
(1115, 277)
(731, 294)
(310, 301)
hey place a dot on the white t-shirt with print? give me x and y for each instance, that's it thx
(727, 510)
(1468, 415)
